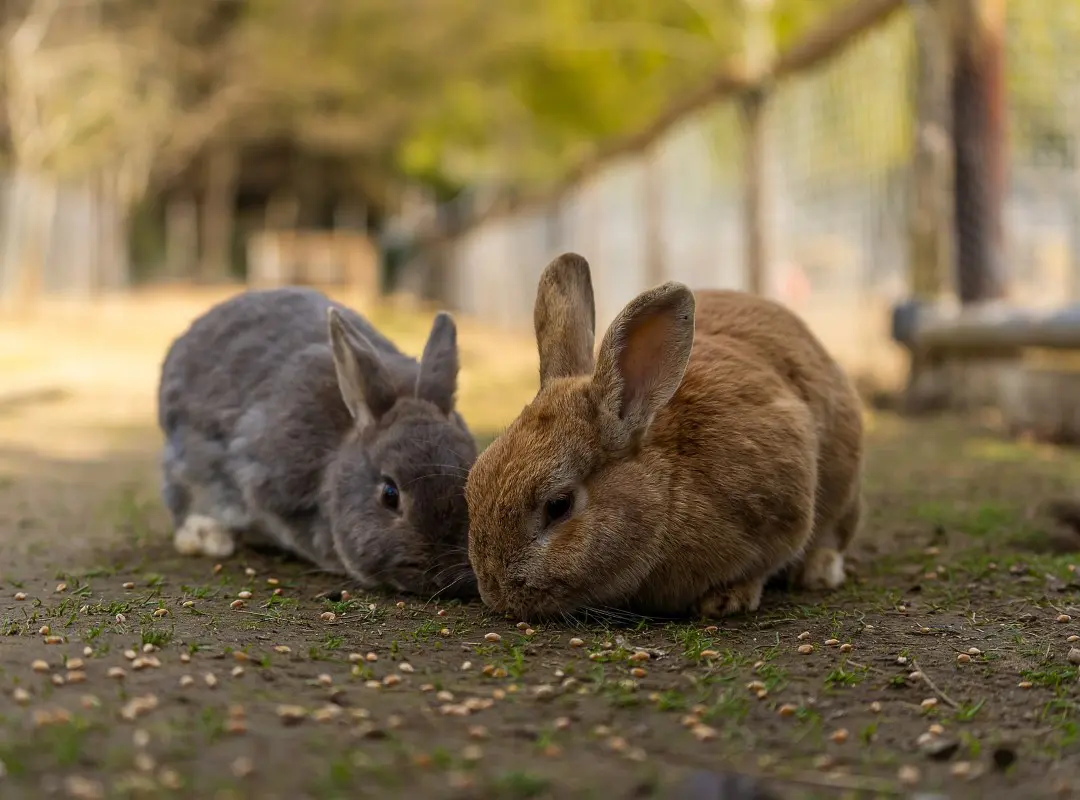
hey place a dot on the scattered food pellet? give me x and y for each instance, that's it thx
(391, 680)
(875, 707)
(291, 714)
(974, 651)
(441, 612)
(1064, 618)
(832, 642)
(806, 649)
(787, 710)
(466, 666)
(328, 616)
(282, 648)
(237, 671)
(237, 604)
(401, 604)
(130, 655)
(371, 657)
(961, 769)
(576, 642)
(478, 732)
(703, 733)
(638, 672)
(249, 571)
(711, 629)
(161, 612)
(562, 723)
(88, 651)
(217, 568)
(901, 660)
(472, 752)
(530, 632)
(929, 702)
(492, 637)
(1073, 638)
(1074, 656)
(846, 647)
(121, 618)
(406, 667)
(186, 681)
(210, 679)
(275, 582)
(244, 595)
(242, 767)
(80, 788)
(444, 631)
(1024, 685)
(936, 729)
(129, 584)
(20, 595)
(324, 680)
(61, 587)
(44, 630)
(40, 666)
(236, 726)
(20, 696)
(58, 680)
(54, 640)
(963, 658)
(185, 658)
(708, 654)
(908, 775)
(76, 676)
(804, 636)
(355, 658)
(840, 735)
(116, 673)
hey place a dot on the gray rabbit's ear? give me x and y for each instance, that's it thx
(437, 380)
(564, 318)
(365, 383)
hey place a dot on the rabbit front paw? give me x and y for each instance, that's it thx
(203, 536)
(725, 601)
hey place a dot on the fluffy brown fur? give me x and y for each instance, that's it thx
(713, 445)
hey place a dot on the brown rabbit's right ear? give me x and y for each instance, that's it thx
(564, 318)
(366, 385)
(644, 355)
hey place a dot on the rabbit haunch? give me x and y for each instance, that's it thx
(711, 445)
(290, 421)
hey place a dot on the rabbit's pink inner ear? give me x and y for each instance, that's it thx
(644, 356)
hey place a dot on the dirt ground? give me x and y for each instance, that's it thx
(129, 671)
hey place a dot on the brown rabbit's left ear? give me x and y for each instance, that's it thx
(564, 318)
(644, 354)
(437, 380)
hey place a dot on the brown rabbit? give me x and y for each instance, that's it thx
(697, 458)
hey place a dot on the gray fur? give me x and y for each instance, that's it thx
(278, 435)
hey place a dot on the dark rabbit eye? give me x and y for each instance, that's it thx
(390, 496)
(558, 508)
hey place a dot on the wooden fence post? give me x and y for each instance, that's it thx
(758, 56)
(931, 211)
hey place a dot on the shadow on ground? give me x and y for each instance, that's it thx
(943, 666)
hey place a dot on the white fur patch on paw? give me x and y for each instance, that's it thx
(203, 536)
(823, 569)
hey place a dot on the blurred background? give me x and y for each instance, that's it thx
(885, 168)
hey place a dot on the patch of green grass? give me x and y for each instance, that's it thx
(519, 785)
(157, 638)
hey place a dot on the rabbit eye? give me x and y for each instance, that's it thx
(558, 508)
(390, 495)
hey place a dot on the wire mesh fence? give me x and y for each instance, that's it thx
(837, 184)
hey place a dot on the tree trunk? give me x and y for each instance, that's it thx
(755, 205)
(978, 105)
(218, 213)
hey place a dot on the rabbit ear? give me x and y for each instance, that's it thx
(644, 354)
(366, 385)
(565, 318)
(437, 379)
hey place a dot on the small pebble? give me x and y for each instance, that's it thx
(711, 629)
(391, 680)
(640, 655)
(478, 732)
(61, 588)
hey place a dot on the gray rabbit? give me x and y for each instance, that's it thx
(290, 420)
